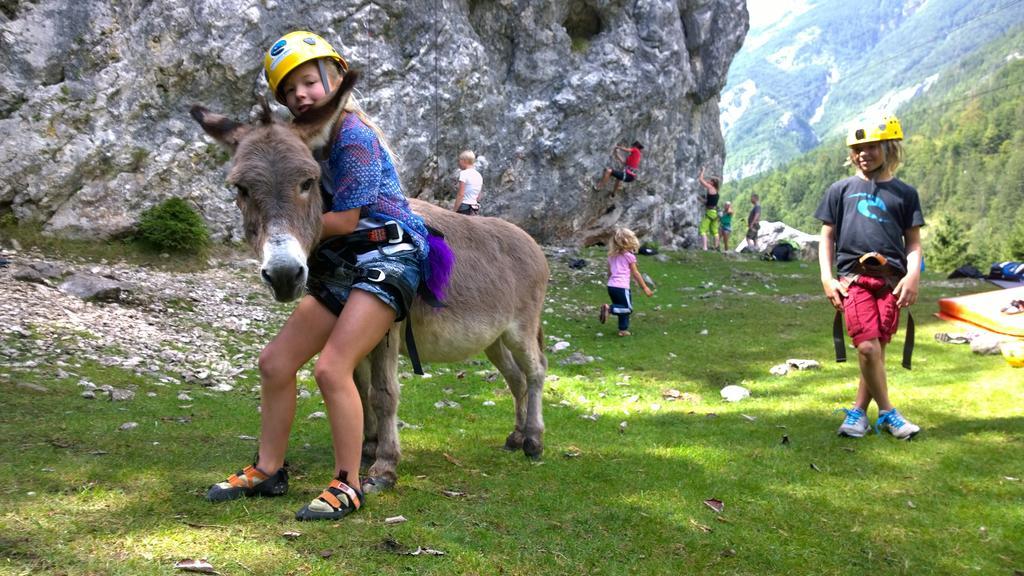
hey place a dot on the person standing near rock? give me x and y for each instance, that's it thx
(725, 225)
(709, 223)
(471, 184)
(872, 223)
(753, 221)
(629, 157)
(621, 268)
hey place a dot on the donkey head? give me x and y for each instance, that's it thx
(277, 188)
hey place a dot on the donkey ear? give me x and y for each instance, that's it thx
(223, 129)
(265, 116)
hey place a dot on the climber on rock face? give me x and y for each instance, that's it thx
(709, 223)
(629, 157)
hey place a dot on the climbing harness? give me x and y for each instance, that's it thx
(873, 264)
(335, 262)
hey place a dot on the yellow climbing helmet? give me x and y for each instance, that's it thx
(293, 50)
(864, 131)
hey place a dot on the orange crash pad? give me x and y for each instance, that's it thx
(986, 310)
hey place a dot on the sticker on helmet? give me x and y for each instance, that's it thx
(276, 49)
(310, 40)
(277, 58)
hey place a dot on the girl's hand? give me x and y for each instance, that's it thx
(906, 291)
(834, 291)
(648, 292)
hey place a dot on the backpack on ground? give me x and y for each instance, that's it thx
(966, 271)
(1013, 271)
(784, 251)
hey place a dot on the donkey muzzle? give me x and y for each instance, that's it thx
(284, 267)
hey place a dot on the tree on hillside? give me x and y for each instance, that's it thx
(1016, 244)
(947, 248)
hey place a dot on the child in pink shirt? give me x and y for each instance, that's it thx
(621, 266)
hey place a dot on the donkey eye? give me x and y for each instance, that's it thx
(308, 185)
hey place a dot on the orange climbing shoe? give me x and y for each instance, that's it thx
(249, 481)
(334, 503)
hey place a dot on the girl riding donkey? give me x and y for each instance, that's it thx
(362, 278)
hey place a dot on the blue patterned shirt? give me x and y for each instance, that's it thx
(359, 174)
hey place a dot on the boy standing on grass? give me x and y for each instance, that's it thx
(872, 223)
(753, 221)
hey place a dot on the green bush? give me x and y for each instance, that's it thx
(174, 226)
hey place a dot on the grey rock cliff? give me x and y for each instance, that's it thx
(94, 99)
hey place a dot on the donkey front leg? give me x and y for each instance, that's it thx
(384, 401)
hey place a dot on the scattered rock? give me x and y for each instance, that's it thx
(317, 416)
(128, 426)
(92, 288)
(32, 387)
(151, 332)
(121, 395)
(803, 364)
(734, 393)
(986, 344)
(27, 274)
(576, 358)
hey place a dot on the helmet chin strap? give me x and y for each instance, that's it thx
(323, 75)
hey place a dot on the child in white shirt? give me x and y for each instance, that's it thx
(471, 184)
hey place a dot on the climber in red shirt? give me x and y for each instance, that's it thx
(630, 166)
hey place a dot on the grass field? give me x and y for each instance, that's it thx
(82, 497)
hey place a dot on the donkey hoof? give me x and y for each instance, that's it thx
(514, 442)
(533, 449)
(376, 484)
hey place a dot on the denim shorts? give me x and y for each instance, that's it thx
(401, 267)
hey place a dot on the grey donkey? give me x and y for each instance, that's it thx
(493, 302)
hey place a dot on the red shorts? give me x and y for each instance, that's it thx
(871, 311)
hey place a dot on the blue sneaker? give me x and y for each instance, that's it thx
(894, 423)
(855, 425)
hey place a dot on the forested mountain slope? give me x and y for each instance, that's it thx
(965, 155)
(798, 81)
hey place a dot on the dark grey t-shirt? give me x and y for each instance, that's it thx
(870, 217)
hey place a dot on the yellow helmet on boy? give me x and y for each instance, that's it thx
(293, 50)
(864, 131)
